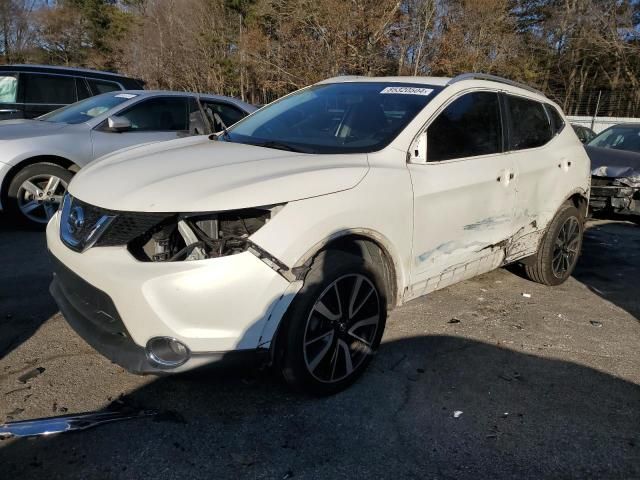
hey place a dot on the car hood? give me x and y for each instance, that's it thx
(197, 174)
(23, 128)
(612, 163)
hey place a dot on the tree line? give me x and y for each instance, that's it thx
(582, 53)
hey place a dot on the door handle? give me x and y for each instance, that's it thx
(564, 163)
(505, 172)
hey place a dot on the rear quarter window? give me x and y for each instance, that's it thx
(530, 124)
(557, 123)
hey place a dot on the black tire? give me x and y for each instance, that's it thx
(542, 267)
(332, 271)
(16, 195)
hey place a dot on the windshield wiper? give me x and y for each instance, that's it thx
(280, 146)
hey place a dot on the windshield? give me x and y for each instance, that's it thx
(335, 118)
(85, 110)
(619, 137)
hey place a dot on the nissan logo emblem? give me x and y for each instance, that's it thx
(75, 222)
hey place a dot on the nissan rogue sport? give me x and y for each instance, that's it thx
(287, 237)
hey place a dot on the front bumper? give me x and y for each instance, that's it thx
(220, 308)
(606, 196)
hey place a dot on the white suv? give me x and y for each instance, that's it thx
(286, 238)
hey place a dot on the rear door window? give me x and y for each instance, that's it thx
(468, 127)
(227, 113)
(530, 124)
(159, 114)
(49, 89)
(8, 88)
(82, 88)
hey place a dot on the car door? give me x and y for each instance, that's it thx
(10, 106)
(43, 93)
(543, 161)
(464, 193)
(152, 119)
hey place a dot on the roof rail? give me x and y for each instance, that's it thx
(492, 78)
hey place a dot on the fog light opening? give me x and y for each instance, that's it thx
(167, 352)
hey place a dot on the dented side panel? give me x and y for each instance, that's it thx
(461, 208)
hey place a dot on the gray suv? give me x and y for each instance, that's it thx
(28, 91)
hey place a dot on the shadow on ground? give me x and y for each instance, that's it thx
(25, 302)
(610, 263)
(522, 417)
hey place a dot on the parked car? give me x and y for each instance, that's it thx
(28, 91)
(615, 170)
(585, 134)
(289, 237)
(39, 156)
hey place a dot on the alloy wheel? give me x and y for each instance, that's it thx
(40, 196)
(565, 251)
(341, 328)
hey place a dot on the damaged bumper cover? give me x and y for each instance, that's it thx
(614, 195)
(220, 309)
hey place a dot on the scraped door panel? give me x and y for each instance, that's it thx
(464, 195)
(463, 210)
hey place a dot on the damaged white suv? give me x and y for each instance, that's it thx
(286, 238)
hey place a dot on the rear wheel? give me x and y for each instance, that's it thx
(334, 325)
(36, 193)
(559, 249)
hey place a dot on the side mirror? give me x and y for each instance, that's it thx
(418, 153)
(118, 124)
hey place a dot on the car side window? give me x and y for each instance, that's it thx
(556, 119)
(82, 89)
(49, 89)
(8, 88)
(102, 86)
(530, 125)
(468, 127)
(158, 114)
(228, 113)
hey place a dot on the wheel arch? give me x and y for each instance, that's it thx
(51, 159)
(370, 245)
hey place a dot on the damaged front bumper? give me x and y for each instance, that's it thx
(614, 195)
(224, 310)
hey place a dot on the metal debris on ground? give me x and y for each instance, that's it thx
(526, 295)
(67, 423)
(457, 413)
(595, 323)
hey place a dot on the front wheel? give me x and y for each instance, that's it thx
(36, 192)
(334, 325)
(559, 249)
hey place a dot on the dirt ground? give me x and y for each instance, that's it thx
(548, 387)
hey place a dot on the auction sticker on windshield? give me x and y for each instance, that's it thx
(407, 90)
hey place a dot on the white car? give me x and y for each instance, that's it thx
(39, 156)
(287, 237)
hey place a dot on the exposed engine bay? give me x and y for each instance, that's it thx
(200, 236)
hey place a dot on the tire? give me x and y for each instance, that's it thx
(553, 264)
(331, 317)
(24, 203)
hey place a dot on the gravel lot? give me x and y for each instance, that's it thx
(548, 387)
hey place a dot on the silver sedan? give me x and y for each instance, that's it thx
(39, 157)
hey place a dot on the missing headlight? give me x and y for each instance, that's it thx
(199, 236)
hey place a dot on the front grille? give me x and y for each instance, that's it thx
(125, 225)
(601, 181)
(129, 225)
